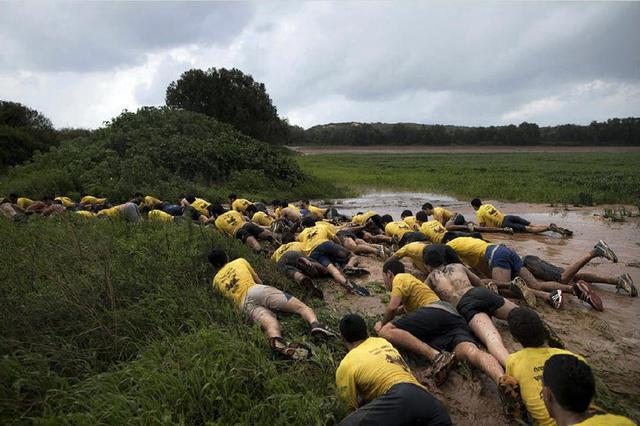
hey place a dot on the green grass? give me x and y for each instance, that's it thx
(560, 178)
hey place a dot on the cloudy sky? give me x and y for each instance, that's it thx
(467, 63)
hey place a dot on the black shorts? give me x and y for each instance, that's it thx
(249, 229)
(412, 237)
(458, 219)
(345, 233)
(376, 219)
(437, 328)
(516, 223)
(402, 404)
(329, 253)
(479, 299)
(541, 269)
(452, 235)
(260, 206)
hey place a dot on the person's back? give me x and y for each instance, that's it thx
(450, 282)
(313, 237)
(434, 230)
(397, 229)
(240, 205)
(292, 246)
(229, 222)
(442, 215)
(471, 251)
(414, 293)
(361, 219)
(489, 216)
(234, 280)
(414, 252)
(201, 206)
(262, 219)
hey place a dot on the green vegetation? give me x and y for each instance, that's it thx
(586, 178)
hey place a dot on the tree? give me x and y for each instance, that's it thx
(232, 97)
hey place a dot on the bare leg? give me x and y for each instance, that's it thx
(253, 243)
(570, 272)
(537, 229)
(295, 306)
(377, 238)
(483, 327)
(595, 278)
(479, 359)
(357, 248)
(337, 275)
(407, 341)
(270, 325)
(546, 286)
(266, 235)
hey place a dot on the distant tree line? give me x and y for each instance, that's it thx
(615, 131)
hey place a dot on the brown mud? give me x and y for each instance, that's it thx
(412, 149)
(609, 340)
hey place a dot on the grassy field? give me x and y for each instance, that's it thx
(561, 178)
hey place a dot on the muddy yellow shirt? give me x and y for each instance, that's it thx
(361, 219)
(240, 205)
(471, 251)
(292, 246)
(262, 219)
(160, 216)
(111, 212)
(65, 201)
(313, 237)
(230, 222)
(414, 293)
(411, 221)
(24, 202)
(434, 231)
(330, 226)
(90, 199)
(201, 206)
(442, 215)
(489, 216)
(526, 367)
(150, 202)
(396, 229)
(234, 280)
(370, 370)
(414, 251)
(316, 211)
(606, 420)
(85, 213)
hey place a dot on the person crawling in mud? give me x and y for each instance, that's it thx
(235, 225)
(488, 215)
(349, 237)
(432, 328)
(291, 261)
(237, 281)
(568, 387)
(417, 251)
(454, 221)
(401, 232)
(376, 382)
(438, 234)
(374, 226)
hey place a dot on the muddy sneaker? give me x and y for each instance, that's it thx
(510, 396)
(381, 253)
(353, 271)
(602, 250)
(354, 288)
(519, 287)
(555, 299)
(625, 283)
(553, 339)
(321, 330)
(294, 351)
(582, 291)
(441, 366)
(562, 231)
(306, 267)
(492, 287)
(508, 230)
(314, 291)
(470, 227)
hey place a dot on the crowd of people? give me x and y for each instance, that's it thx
(445, 318)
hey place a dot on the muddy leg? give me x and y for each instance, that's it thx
(483, 327)
(407, 341)
(479, 359)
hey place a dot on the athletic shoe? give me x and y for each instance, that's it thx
(564, 231)
(553, 339)
(353, 271)
(307, 283)
(319, 329)
(491, 286)
(519, 287)
(625, 283)
(382, 254)
(582, 291)
(293, 351)
(441, 366)
(470, 227)
(603, 250)
(555, 299)
(356, 289)
(508, 230)
(510, 396)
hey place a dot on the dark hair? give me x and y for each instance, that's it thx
(283, 204)
(138, 195)
(406, 213)
(527, 327)
(421, 216)
(190, 198)
(309, 221)
(216, 209)
(571, 381)
(353, 328)
(275, 203)
(384, 219)
(427, 206)
(47, 197)
(13, 196)
(476, 202)
(304, 201)
(395, 266)
(232, 195)
(251, 210)
(433, 258)
(218, 257)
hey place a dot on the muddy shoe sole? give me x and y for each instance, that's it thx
(519, 287)
(441, 367)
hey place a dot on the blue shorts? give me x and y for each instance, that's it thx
(172, 209)
(329, 253)
(499, 256)
(516, 223)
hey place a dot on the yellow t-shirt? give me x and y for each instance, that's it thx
(471, 251)
(24, 202)
(316, 211)
(361, 219)
(330, 226)
(313, 237)
(240, 204)
(526, 367)
(396, 229)
(414, 293)
(86, 213)
(414, 251)
(201, 206)
(90, 199)
(411, 221)
(235, 279)
(278, 210)
(65, 201)
(489, 216)
(230, 222)
(150, 202)
(110, 212)
(292, 246)
(370, 370)
(262, 219)
(434, 231)
(160, 216)
(606, 420)
(442, 215)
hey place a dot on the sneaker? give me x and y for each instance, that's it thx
(354, 288)
(510, 396)
(625, 283)
(353, 271)
(553, 339)
(441, 366)
(470, 227)
(602, 250)
(293, 351)
(492, 287)
(563, 231)
(508, 230)
(519, 287)
(582, 291)
(319, 329)
(555, 299)
(307, 283)
(382, 254)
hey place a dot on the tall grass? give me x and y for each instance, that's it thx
(570, 178)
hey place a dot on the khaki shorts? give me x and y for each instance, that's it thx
(263, 300)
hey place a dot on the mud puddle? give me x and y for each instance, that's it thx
(609, 340)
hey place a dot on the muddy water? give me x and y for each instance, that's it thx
(609, 340)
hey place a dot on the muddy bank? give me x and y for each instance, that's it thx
(610, 340)
(408, 149)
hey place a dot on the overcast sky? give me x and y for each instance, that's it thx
(466, 63)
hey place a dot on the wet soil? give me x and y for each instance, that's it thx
(609, 340)
(408, 149)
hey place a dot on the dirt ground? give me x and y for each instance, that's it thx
(412, 149)
(609, 340)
